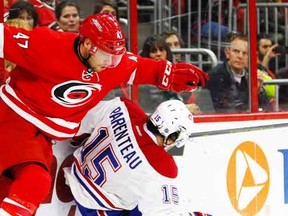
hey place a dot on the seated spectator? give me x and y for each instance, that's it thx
(266, 51)
(107, 6)
(155, 47)
(67, 17)
(174, 41)
(24, 10)
(228, 83)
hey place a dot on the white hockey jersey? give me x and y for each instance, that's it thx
(120, 166)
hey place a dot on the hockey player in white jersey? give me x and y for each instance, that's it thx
(123, 168)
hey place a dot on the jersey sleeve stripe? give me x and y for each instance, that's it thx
(48, 125)
(93, 190)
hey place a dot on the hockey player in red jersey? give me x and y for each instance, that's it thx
(58, 78)
(123, 168)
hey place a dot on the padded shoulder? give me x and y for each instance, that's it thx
(160, 160)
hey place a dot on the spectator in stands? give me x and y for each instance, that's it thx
(24, 10)
(174, 41)
(155, 47)
(46, 11)
(107, 6)
(229, 83)
(267, 51)
(67, 17)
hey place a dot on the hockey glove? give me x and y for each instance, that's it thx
(181, 77)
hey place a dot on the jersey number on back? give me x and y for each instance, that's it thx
(170, 194)
(95, 168)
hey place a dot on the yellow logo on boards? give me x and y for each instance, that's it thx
(248, 179)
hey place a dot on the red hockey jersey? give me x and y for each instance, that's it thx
(52, 88)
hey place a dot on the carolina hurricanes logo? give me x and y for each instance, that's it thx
(74, 93)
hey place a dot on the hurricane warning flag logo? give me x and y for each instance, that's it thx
(248, 179)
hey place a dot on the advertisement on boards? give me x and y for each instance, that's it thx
(241, 172)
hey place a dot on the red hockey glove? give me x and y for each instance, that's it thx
(182, 77)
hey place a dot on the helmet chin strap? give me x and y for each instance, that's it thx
(84, 60)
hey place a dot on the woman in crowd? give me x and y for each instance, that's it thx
(67, 17)
(24, 10)
(107, 6)
(174, 41)
(155, 47)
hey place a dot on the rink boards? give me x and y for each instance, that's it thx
(231, 168)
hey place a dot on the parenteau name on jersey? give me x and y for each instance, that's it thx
(123, 139)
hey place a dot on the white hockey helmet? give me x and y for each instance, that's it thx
(172, 117)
